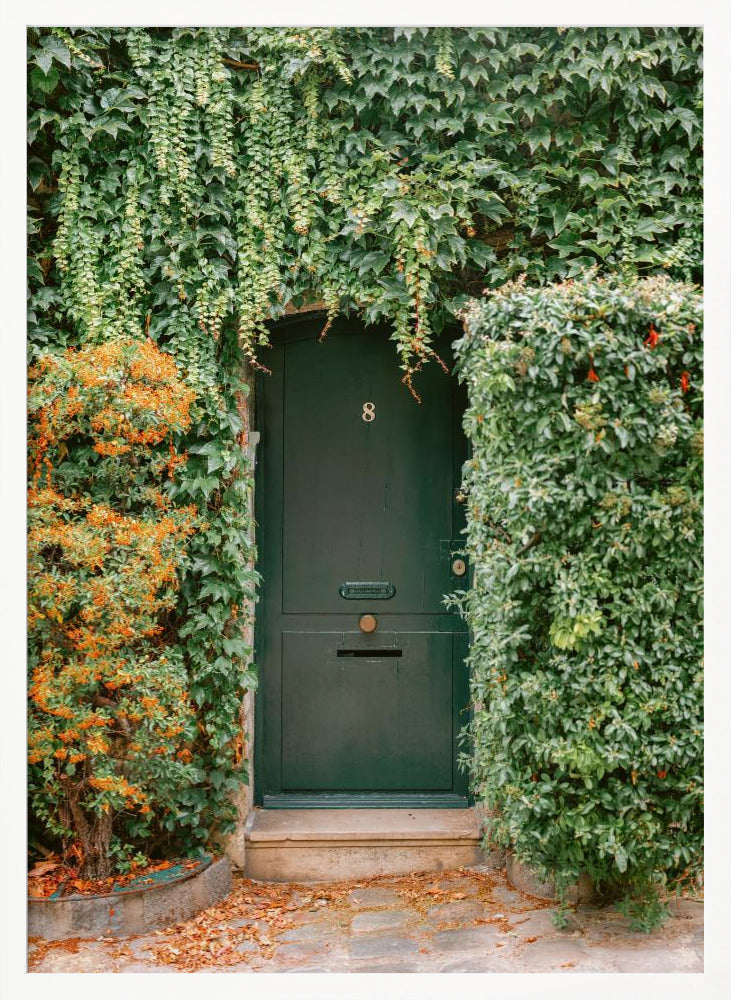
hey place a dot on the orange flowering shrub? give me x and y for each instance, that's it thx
(109, 711)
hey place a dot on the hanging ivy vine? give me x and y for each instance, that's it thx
(189, 184)
(391, 170)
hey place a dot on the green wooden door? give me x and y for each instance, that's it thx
(357, 515)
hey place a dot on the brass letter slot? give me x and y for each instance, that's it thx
(379, 590)
(369, 652)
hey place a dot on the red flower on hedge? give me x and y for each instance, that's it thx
(592, 376)
(685, 381)
(653, 337)
(662, 774)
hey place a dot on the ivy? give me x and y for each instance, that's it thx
(388, 170)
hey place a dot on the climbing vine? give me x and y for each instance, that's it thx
(191, 184)
(390, 170)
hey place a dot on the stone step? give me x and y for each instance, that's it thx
(324, 845)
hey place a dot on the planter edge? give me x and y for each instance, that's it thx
(524, 878)
(125, 914)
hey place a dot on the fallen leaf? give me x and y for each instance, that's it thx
(42, 868)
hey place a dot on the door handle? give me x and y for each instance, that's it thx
(368, 623)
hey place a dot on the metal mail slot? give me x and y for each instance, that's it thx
(367, 590)
(370, 653)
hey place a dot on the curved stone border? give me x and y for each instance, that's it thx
(523, 877)
(130, 911)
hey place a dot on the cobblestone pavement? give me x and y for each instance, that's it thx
(469, 920)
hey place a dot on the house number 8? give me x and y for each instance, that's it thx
(369, 412)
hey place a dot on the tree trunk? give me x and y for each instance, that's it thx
(96, 863)
(93, 834)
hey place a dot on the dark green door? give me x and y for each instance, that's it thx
(357, 515)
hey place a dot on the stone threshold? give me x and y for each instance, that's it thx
(316, 845)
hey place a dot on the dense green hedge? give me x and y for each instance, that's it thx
(585, 532)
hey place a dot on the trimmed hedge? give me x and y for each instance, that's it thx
(584, 495)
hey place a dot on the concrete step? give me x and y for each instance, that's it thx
(323, 845)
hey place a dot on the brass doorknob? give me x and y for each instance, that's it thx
(459, 567)
(368, 623)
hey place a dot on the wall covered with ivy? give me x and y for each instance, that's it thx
(190, 184)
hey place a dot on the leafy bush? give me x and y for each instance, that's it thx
(585, 532)
(109, 711)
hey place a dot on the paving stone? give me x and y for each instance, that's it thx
(308, 968)
(508, 938)
(609, 932)
(144, 967)
(506, 896)
(369, 898)
(293, 949)
(383, 947)
(308, 914)
(550, 955)
(379, 920)
(692, 908)
(471, 964)
(457, 884)
(478, 938)
(621, 938)
(87, 959)
(246, 947)
(308, 932)
(654, 959)
(298, 895)
(245, 922)
(682, 928)
(462, 911)
(535, 924)
(140, 947)
(385, 967)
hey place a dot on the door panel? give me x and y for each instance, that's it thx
(344, 717)
(366, 494)
(356, 718)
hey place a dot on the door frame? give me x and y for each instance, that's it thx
(461, 796)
